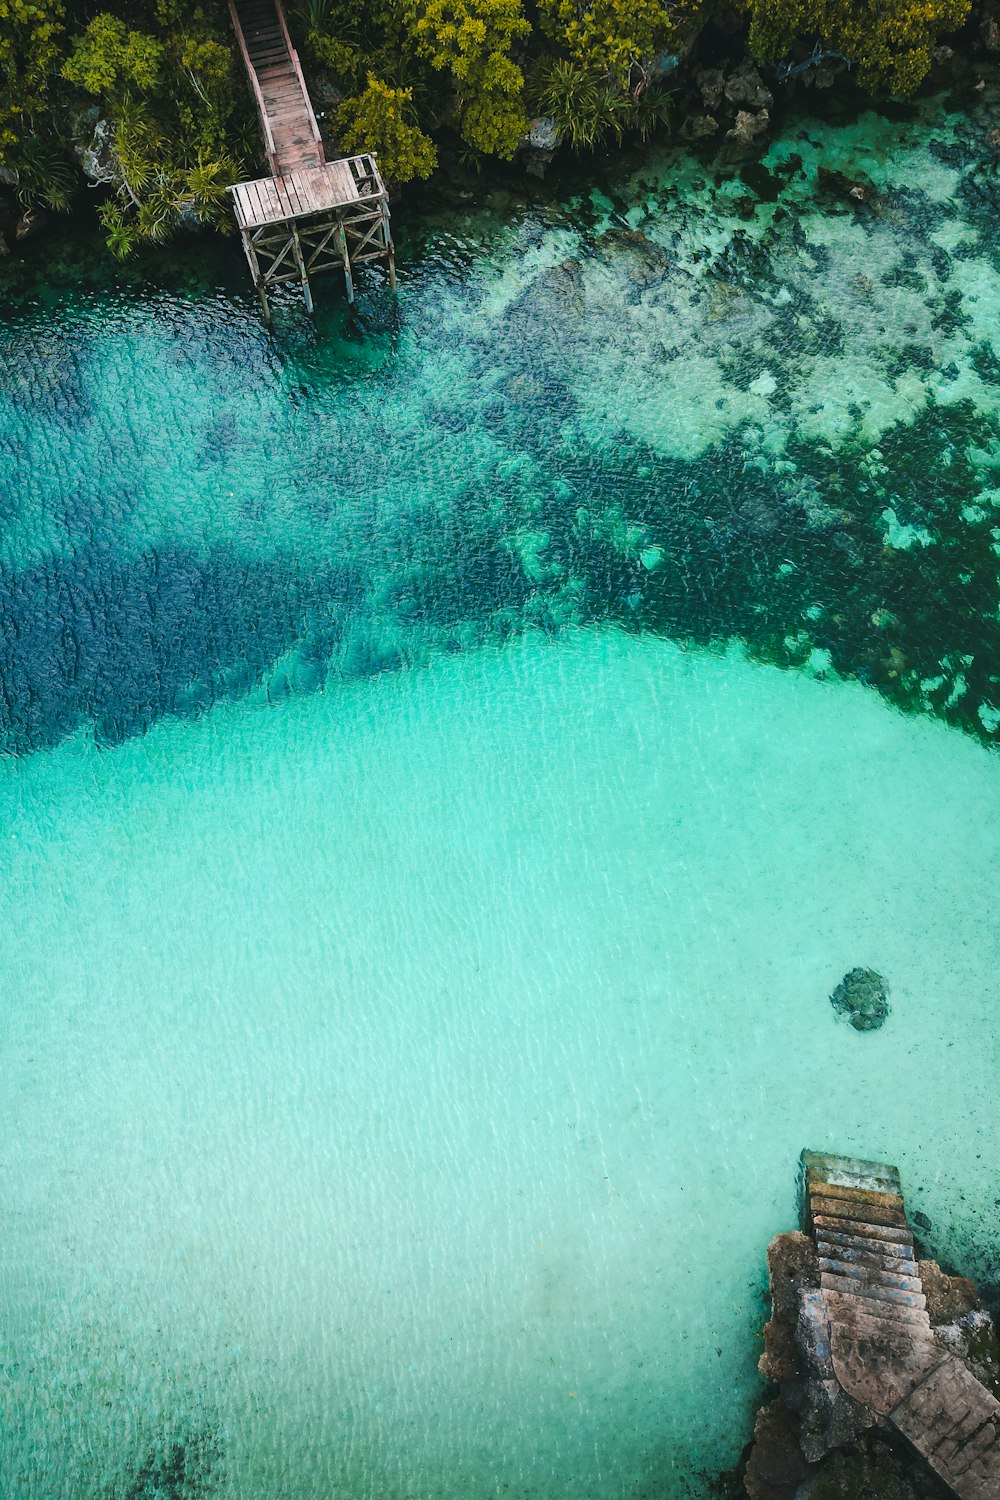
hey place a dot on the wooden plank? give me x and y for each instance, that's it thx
(263, 202)
(282, 208)
(313, 182)
(289, 187)
(270, 207)
(341, 181)
(251, 204)
(305, 194)
(240, 203)
(313, 126)
(271, 211)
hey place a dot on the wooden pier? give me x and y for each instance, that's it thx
(311, 214)
(871, 1306)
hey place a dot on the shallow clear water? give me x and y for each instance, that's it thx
(453, 751)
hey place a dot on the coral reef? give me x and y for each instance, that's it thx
(862, 998)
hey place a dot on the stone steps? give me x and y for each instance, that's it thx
(851, 1310)
(872, 1272)
(955, 1423)
(883, 1345)
(898, 1259)
(862, 1230)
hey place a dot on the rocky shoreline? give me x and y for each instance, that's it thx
(723, 100)
(812, 1444)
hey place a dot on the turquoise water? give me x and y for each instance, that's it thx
(454, 748)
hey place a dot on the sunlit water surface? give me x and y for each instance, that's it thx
(453, 749)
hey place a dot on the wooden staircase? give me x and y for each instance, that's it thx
(291, 134)
(882, 1344)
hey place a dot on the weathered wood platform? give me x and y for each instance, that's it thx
(311, 214)
(883, 1349)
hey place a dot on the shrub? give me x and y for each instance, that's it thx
(380, 120)
(892, 43)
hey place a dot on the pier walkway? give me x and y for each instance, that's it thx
(883, 1349)
(311, 214)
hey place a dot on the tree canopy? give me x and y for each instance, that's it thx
(891, 42)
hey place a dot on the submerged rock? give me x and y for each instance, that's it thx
(854, 189)
(748, 128)
(862, 997)
(643, 260)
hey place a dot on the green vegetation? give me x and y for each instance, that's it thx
(161, 75)
(382, 119)
(891, 43)
(161, 82)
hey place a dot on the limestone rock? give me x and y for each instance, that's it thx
(948, 1297)
(699, 127)
(92, 141)
(830, 1418)
(827, 73)
(791, 1265)
(30, 222)
(540, 145)
(862, 997)
(961, 1323)
(746, 89)
(776, 1467)
(543, 134)
(748, 128)
(711, 85)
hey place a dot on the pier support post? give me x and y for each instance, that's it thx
(299, 261)
(347, 261)
(256, 273)
(390, 248)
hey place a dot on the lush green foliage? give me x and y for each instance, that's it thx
(31, 35)
(892, 42)
(165, 76)
(586, 109)
(381, 119)
(167, 87)
(110, 60)
(170, 94)
(608, 37)
(598, 87)
(472, 40)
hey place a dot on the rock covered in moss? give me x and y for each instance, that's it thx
(961, 1323)
(862, 997)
